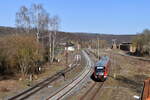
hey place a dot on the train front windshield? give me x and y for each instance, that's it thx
(99, 69)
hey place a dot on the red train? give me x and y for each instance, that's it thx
(101, 69)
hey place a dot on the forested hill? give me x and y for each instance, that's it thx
(76, 36)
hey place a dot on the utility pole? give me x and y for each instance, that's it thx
(114, 46)
(98, 48)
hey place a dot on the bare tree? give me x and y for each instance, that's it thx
(23, 21)
(53, 27)
(39, 18)
(50, 40)
(142, 43)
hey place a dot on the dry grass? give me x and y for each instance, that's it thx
(128, 81)
(11, 86)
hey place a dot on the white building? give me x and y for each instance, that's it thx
(70, 48)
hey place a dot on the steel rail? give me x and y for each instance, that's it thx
(92, 91)
(67, 86)
(25, 94)
(100, 86)
(86, 93)
(64, 93)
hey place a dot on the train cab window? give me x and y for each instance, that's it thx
(99, 69)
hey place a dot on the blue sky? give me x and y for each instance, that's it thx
(98, 16)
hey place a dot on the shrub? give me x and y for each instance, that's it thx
(142, 42)
(20, 54)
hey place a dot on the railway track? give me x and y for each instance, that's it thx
(138, 58)
(72, 85)
(31, 91)
(92, 92)
(125, 55)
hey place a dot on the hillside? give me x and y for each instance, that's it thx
(63, 36)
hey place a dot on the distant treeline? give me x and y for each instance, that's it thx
(65, 36)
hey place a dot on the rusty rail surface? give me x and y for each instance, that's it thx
(32, 90)
(146, 90)
(134, 57)
(92, 90)
(125, 55)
